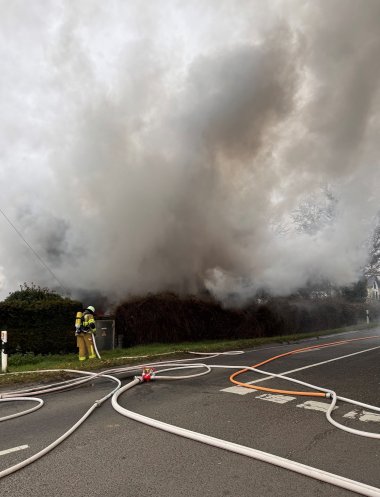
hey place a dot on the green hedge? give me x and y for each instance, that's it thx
(41, 327)
(46, 326)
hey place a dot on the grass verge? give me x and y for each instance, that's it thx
(30, 368)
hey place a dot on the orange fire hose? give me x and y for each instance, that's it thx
(290, 392)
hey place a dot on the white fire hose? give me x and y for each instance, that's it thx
(26, 394)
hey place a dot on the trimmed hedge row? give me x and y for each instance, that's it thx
(47, 326)
(168, 318)
(41, 327)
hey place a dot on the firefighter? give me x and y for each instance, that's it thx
(84, 329)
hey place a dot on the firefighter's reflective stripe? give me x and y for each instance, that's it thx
(88, 322)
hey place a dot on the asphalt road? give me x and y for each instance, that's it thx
(112, 456)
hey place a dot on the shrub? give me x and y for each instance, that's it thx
(168, 318)
(39, 321)
(18, 359)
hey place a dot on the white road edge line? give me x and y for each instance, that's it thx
(13, 449)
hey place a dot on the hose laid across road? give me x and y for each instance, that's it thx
(296, 351)
(318, 474)
(346, 483)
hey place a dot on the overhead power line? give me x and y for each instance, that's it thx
(34, 252)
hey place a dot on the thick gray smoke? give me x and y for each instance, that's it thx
(149, 146)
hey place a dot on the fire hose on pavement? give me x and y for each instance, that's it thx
(169, 366)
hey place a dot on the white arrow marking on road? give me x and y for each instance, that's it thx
(352, 414)
(363, 416)
(369, 416)
(13, 449)
(315, 406)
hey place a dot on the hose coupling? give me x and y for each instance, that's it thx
(148, 374)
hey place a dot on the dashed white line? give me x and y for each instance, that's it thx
(278, 399)
(13, 449)
(238, 390)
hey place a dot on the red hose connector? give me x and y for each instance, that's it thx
(148, 374)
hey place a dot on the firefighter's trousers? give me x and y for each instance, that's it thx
(86, 346)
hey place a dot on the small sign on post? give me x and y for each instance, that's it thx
(4, 354)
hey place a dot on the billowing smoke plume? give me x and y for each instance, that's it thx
(149, 146)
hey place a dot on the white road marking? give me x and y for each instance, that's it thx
(278, 399)
(352, 414)
(363, 416)
(238, 390)
(233, 389)
(13, 449)
(306, 351)
(315, 406)
(370, 416)
(316, 364)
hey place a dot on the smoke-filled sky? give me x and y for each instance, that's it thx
(148, 146)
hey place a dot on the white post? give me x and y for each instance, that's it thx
(367, 311)
(4, 355)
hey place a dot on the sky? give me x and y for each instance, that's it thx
(154, 146)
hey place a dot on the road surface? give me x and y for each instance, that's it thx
(113, 456)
